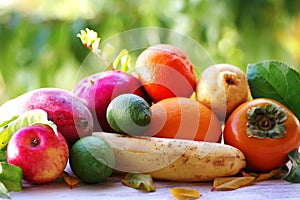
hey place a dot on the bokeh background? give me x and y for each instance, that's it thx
(39, 47)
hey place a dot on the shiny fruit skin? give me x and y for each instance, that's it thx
(165, 72)
(72, 118)
(97, 91)
(183, 118)
(129, 114)
(262, 155)
(92, 159)
(40, 153)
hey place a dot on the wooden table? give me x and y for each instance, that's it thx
(113, 189)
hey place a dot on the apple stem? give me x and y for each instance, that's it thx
(83, 123)
(35, 142)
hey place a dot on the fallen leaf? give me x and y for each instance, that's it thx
(70, 180)
(262, 176)
(231, 183)
(139, 181)
(185, 193)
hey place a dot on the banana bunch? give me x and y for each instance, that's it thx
(174, 159)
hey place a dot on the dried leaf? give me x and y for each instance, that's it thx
(185, 193)
(262, 176)
(139, 181)
(267, 176)
(70, 180)
(232, 183)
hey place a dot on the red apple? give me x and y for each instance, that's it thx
(40, 152)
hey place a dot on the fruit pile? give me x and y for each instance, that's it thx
(161, 120)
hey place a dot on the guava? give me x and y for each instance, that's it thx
(98, 90)
(222, 87)
(72, 118)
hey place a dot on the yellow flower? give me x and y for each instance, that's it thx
(89, 38)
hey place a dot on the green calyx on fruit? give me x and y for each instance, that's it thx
(267, 121)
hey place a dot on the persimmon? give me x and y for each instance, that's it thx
(265, 131)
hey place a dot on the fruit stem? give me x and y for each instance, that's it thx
(35, 142)
(98, 55)
(267, 121)
(82, 123)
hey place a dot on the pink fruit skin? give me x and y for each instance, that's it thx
(42, 163)
(97, 91)
(72, 118)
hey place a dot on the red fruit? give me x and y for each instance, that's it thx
(72, 118)
(165, 72)
(40, 153)
(97, 91)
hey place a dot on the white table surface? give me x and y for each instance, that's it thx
(113, 189)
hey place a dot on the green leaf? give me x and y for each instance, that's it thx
(6, 122)
(28, 118)
(4, 193)
(2, 155)
(11, 176)
(275, 80)
(124, 58)
(139, 181)
(293, 175)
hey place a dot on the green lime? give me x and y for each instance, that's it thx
(92, 159)
(128, 113)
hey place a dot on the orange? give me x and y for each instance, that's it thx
(184, 118)
(165, 72)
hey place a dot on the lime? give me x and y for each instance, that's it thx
(128, 113)
(92, 159)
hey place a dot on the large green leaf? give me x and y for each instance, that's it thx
(11, 176)
(275, 80)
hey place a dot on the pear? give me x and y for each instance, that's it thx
(222, 87)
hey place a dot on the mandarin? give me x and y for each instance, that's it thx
(184, 118)
(165, 72)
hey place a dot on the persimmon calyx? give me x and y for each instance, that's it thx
(267, 121)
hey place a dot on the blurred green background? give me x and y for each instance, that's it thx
(39, 47)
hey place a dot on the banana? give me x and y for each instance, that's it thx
(174, 159)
